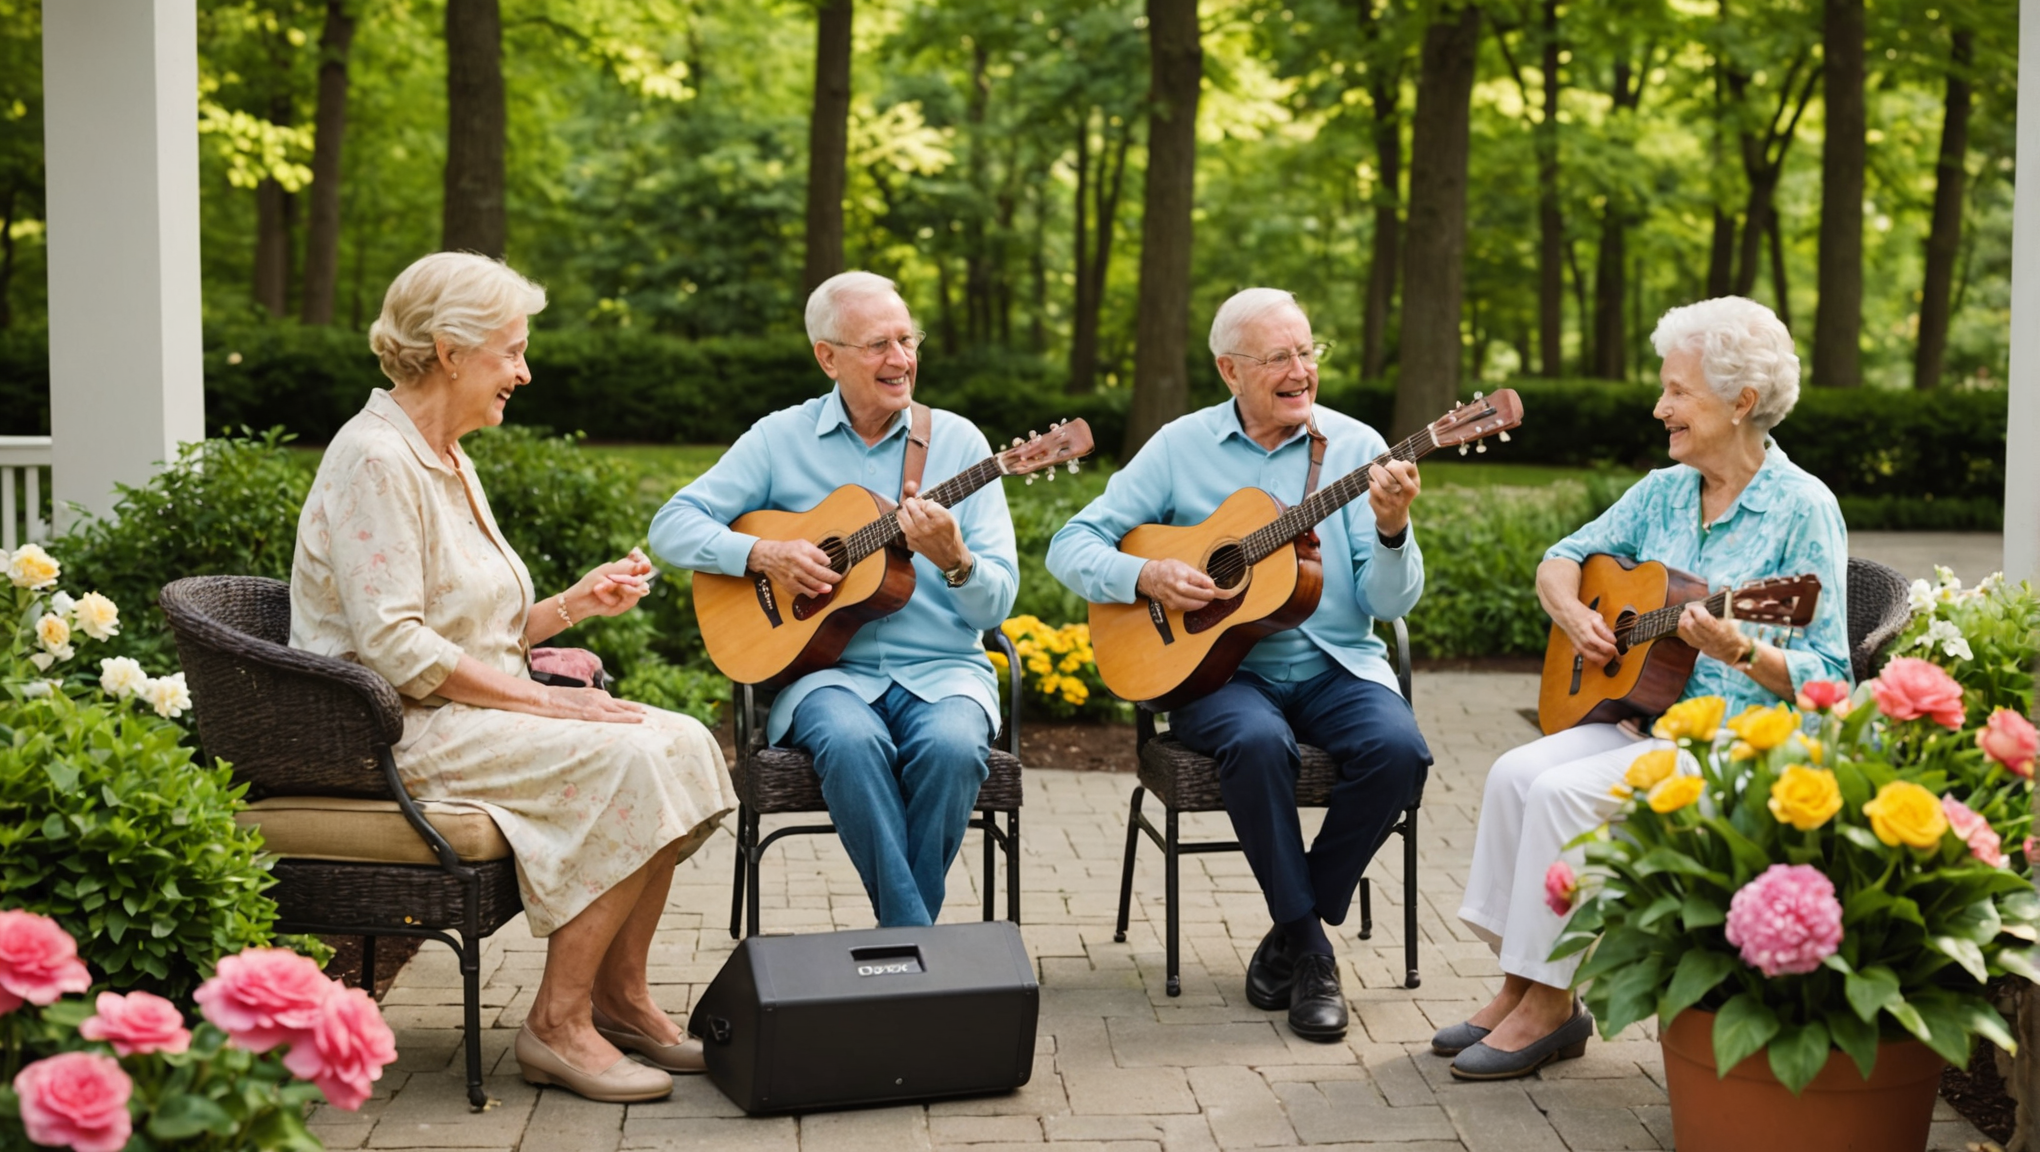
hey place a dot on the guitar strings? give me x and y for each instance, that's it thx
(1257, 545)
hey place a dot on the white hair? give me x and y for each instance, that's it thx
(1241, 309)
(1742, 344)
(826, 303)
(456, 295)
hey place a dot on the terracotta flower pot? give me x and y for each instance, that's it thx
(1838, 1112)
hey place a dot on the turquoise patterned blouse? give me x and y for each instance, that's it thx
(1786, 522)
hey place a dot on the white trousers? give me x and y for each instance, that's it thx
(1538, 797)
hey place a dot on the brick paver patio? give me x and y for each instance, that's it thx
(1120, 1066)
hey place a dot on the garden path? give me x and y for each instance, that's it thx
(1120, 1066)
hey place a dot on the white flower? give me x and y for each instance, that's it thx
(97, 617)
(62, 604)
(1948, 636)
(31, 567)
(121, 677)
(42, 660)
(54, 635)
(1945, 577)
(167, 695)
(37, 689)
(1990, 584)
(1920, 597)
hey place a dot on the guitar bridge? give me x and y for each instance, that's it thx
(767, 602)
(1161, 621)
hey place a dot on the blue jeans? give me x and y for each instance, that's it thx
(1251, 728)
(901, 776)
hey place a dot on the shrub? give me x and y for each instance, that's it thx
(1058, 670)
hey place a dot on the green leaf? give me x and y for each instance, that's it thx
(1748, 856)
(1662, 859)
(1978, 922)
(1741, 1029)
(61, 774)
(1699, 972)
(1871, 989)
(184, 1116)
(1964, 952)
(1700, 912)
(2019, 962)
(1659, 908)
(1949, 1025)
(1855, 1036)
(1863, 838)
(1798, 1053)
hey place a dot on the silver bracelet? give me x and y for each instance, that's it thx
(560, 602)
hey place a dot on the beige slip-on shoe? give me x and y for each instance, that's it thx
(624, 1082)
(685, 1057)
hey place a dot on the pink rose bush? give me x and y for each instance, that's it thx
(2009, 739)
(1787, 920)
(270, 1015)
(1821, 695)
(1976, 832)
(1560, 886)
(1911, 688)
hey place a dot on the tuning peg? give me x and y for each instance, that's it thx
(1033, 435)
(1462, 449)
(1030, 478)
(1018, 441)
(1476, 396)
(1505, 437)
(1051, 474)
(1073, 467)
(1480, 447)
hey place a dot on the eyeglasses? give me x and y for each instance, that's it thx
(911, 345)
(1281, 360)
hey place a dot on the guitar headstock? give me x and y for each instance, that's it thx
(1065, 443)
(1788, 600)
(1491, 415)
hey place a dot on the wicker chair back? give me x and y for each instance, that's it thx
(290, 723)
(1878, 611)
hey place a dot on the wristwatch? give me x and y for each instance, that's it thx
(958, 576)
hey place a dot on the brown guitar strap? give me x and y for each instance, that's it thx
(916, 460)
(1317, 460)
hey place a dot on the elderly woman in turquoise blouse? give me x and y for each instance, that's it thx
(1731, 509)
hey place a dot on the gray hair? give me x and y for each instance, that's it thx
(826, 303)
(1742, 344)
(456, 295)
(1241, 309)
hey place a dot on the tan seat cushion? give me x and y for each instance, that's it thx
(369, 831)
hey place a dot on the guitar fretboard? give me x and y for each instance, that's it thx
(886, 529)
(1309, 512)
(1659, 623)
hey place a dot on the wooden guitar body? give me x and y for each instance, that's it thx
(1641, 681)
(759, 634)
(1149, 654)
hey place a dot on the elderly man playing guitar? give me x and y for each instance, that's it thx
(1326, 681)
(900, 726)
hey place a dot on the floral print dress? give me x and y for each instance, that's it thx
(400, 567)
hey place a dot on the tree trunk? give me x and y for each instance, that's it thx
(329, 127)
(1721, 255)
(1838, 320)
(273, 219)
(1084, 319)
(1779, 287)
(1944, 240)
(1550, 225)
(1431, 347)
(1579, 288)
(828, 144)
(1161, 387)
(473, 219)
(1385, 88)
(1101, 187)
(1611, 348)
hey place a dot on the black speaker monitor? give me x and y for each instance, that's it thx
(887, 1014)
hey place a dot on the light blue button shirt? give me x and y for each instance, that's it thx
(1785, 523)
(788, 461)
(1183, 475)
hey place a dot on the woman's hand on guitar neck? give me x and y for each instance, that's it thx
(1712, 635)
(1175, 585)
(795, 564)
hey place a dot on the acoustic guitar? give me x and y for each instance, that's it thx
(1264, 559)
(1642, 603)
(759, 634)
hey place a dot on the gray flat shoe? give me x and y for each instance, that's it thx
(1567, 1042)
(1457, 1038)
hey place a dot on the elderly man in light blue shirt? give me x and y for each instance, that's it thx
(901, 727)
(1326, 682)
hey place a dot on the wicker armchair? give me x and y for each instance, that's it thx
(1187, 782)
(772, 780)
(311, 737)
(1879, 610)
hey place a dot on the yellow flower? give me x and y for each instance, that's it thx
(1049, 684)
(1805, 797)
(1651, 768)
(1040, 665)
(1765, 728)
(32, 567)
(1674, 793)
(998, 662)
(54, 634)
(1069, 663)
(1815, 751)
(1696, 718)
(1741, 750)
(1905, 813)
(1019, 626)
(1074, 692)
(97, 617)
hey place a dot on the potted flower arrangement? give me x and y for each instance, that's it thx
(1811, 901)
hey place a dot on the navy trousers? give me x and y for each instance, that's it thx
(1252, 726)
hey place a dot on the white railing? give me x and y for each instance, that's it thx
(24, 472)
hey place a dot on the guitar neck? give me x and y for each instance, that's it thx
(1659, 623)
(885, 530)
(1319, 505)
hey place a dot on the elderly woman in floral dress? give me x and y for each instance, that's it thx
(400, 567)
(1731, 509)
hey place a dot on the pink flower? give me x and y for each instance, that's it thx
(1910, 688)
(265, 997)
(2027, 849)
(76, 1100)
(345, 1054)
(2009, 739)
(1787, 920)
(1975, 831)
(139, 1022)
(38, 961)
(1821, 695)
(1560, 887)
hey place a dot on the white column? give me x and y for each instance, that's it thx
(2022, 425)
(120, 98)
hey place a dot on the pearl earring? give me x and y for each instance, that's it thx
(456, 375)
(1734, 420)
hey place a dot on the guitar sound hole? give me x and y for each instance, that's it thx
(838, 553)
(1227, 567)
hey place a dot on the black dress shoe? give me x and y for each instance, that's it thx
(1271, 972)
(1317, 1006)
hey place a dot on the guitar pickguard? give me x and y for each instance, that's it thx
(1209, 616)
